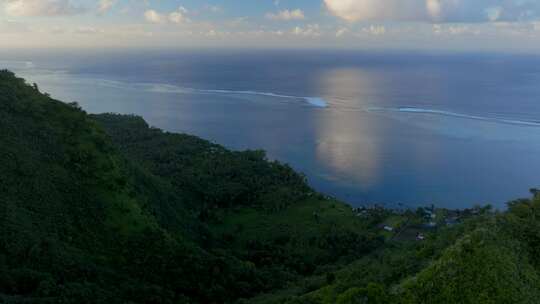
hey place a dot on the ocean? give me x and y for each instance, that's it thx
(399, 129)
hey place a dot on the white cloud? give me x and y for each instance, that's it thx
(178, 16)
(434, 10)
(341, 32)
(105, 5)
(87, 30)
(439, 29)
(494, 13)
(375, 30)
(365, 10)
(296, 14)
(311, 30)
(153, 17)
(29, 8)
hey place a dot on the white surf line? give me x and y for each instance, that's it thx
(16, 64)
(317, 101)
(173, 89)
(454, 114)
(166, 88)
(314, 101)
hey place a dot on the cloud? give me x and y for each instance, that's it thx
(178, 16)
(153, 17)
(32, 8)
(375, 30)
(341, 32)
(436, 11)
(87, 30)
(286, 15)
(105, 5)
(454, 30)
(311, 30)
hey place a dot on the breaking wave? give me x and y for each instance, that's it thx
(161, 88)
(150, 87)
(16, 64)
(455, 114)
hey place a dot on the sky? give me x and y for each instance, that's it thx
(505, 25)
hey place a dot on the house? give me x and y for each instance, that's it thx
(388, 228)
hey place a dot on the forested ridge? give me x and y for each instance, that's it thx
(106, 209)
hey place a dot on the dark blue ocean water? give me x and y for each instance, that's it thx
(454, 130)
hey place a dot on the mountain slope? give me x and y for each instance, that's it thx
(106, 209)
(138, 215)
(77, 220)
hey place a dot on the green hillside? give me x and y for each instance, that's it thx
(106, 209)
